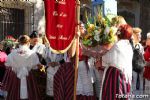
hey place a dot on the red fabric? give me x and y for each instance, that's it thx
(81, 56)
(98, 64)
(146, 73)
(114, 83)
(60, 22)
(64, 82)
(12, 85)
(3, 58)
(147, 54)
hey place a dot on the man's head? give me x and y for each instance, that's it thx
(34, 38)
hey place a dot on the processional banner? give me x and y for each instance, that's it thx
(60, 24)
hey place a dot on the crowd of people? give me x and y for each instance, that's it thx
(101, 75)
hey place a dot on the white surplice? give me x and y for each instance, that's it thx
(22, 60)
(51, 57)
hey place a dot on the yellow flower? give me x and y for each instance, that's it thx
(99, 18)
(91, 28)
(87, 36)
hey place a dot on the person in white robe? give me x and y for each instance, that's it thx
(22, 60)
(53, 62)
(36, 46)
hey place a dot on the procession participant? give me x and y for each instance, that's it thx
(85, 89)
(18, 80)
(64, 77)
(38, 47)
(118, 66)
(35, 43)
(118, 20)
(53, 63)
(64, 80)
(96, 74)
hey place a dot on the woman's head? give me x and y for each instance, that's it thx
(118, 20)
(125, 32)
(24, 39)
(82, 29)
(148, 39)
(137, 34)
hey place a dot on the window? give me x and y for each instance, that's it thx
(11, 22)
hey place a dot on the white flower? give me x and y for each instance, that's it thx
(97, 32)
(96, 36)
(107, 29)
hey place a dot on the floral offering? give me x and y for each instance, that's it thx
(99, 32)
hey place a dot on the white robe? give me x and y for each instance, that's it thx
(51, 57)
(39, 48)
(22, 60)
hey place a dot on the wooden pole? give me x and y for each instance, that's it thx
(77, 48)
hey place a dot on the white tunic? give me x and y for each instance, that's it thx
(39, 48)
(84, 82)
(22, 60)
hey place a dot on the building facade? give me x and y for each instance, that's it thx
(136, 13)
(23, 16)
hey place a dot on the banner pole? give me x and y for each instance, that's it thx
(77, 47)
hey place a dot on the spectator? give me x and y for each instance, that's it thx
(147, 67)
(137, 77)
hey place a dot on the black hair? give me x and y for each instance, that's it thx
(34, 34)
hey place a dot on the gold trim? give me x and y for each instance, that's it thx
(62, 51)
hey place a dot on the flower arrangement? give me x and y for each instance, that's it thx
(99, 32)
(9, 41)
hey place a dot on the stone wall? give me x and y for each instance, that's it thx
(145, 16)
(39, 16)
(136, 13)
(131, 11)
(27, 6)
